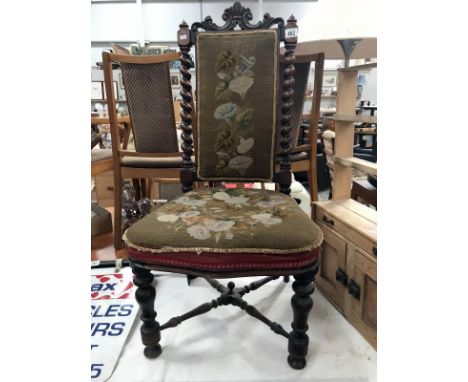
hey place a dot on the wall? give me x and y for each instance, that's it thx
(159, 21)
(369, 91)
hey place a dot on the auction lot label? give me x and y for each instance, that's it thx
(113, 311)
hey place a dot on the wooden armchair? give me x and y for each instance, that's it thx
(151, 111)
(304, 157)
(212, 232)
(101, 159)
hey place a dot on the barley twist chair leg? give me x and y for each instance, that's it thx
(301, 304)
(145, 296)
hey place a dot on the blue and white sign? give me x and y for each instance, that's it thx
(113, 311)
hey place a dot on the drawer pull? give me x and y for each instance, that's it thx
(341, 276)
(327, 221)
(354, 289)
(374, 251)
(110, 188)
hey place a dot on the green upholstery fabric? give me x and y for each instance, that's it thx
(236, 104)
(220, 220)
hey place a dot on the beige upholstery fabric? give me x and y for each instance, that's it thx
(220, 220)
(152, 162)
(100, 154)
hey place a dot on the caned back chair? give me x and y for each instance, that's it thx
(149, 97)
(213, 232)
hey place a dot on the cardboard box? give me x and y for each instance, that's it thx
(101, 220)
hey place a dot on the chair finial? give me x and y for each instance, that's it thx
(291, 30)
(183, 35)
(292, 19)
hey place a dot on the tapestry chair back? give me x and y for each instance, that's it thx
(238, 81)
(237, 104)
(150, 106)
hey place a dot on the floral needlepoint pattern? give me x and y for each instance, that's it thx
(170, 218)
(199, 232)
(221, 214)
(226, 112)
(233, 143)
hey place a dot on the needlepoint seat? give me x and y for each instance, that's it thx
(219, 229)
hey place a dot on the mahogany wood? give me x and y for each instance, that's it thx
(235, 16)
(302, 304)
(285, 129)
(145, 296)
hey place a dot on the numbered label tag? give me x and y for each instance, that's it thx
(183, 37)
(292, 33)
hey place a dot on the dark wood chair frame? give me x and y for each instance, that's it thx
(303, 285)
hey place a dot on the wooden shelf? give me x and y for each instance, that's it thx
(323, 96)
(372, 65)
(366, 130)
(361, 164)
(355, 118)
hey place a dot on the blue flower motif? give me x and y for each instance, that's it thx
(226, 112)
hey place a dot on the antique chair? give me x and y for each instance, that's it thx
(101, 159)
(213, 232)
(304, 157)
(149, 98)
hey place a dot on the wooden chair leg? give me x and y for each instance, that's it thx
(301, 304)
(118, 185)
(149, 187)
(143, 187)
(157, 190)
(190, 278)
(136, 187)
(145, 296)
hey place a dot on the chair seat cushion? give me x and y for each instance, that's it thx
(163, 162)
(100, 155)
(219, 229)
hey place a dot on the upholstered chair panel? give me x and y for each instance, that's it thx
(150, 107)
(217, 220)
(236, 104)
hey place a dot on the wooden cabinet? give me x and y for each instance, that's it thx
(348, 270)
(105, 189)
(333, 261)
(361, 304)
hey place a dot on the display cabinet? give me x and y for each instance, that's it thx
(348, 272)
